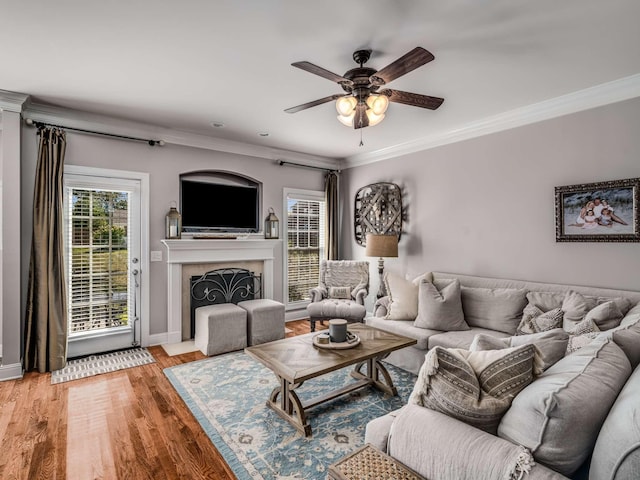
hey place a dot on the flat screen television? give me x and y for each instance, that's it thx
(216, 207)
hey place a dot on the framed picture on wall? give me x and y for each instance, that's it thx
(598, 212)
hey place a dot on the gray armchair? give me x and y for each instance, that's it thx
(344, 284)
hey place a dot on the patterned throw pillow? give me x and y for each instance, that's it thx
(339, 292)
(581, 335)
(535, 320)
(474, 387)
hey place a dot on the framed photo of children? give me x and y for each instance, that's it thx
(598, 212)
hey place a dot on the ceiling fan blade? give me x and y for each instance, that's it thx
(405, 64)
(320, 101)
(413, 99)
(311, 68)
(361, 120)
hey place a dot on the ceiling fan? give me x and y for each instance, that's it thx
(363, 104)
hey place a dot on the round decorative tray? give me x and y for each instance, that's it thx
(336, 346)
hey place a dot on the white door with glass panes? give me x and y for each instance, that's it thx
(102, 238)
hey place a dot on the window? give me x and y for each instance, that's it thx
(305, 236)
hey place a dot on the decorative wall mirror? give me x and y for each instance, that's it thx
(378, 210)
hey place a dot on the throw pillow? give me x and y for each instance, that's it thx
(546, 301)
(474, 387)
(534, 320)
(575, 306)
(403, 298)
(606, 315)
(493, 308)
(440, 309)
(339, 292)
(550, 346)
(558, 416)
(576, 342)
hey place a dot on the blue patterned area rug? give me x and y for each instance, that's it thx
(227, 394)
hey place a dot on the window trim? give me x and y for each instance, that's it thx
(313, 195)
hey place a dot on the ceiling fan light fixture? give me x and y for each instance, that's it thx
(347, 121)
(378, 104)
(346, 105)
(373, 118)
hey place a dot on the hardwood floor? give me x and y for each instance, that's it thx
(129, 424)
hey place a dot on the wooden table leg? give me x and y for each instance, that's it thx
(375, 368)
(290, 407)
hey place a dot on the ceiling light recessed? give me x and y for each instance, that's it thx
(263, 134)
(216, 124)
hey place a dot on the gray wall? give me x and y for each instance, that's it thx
(164, 164)
(486, 206)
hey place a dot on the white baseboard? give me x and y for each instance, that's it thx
(157, 339)
(292, 315)
(11, 371)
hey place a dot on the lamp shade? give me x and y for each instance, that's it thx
(381, 245)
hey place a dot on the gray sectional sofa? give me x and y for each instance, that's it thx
(578, 419)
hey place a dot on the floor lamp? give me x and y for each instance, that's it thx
(381, 246)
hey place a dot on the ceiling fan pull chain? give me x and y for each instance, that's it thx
(361, 142)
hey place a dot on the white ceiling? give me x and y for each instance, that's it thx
(183, 64)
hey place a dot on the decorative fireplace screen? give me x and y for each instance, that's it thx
(224, 285)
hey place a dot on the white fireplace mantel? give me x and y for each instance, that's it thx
(186, 251)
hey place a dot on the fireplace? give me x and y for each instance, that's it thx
(189, 257)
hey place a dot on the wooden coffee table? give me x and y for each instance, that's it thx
(294, 360)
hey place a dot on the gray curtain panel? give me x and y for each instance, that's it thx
(46, 315)
(331, 195)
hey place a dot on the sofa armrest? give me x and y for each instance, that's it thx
(377, 430)
(381, 307)
(440, 447)
(317, 294)
(361, 295)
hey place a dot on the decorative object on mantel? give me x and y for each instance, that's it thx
(271, 225)
(598, 212)
(378, 210)
(381, 246)
(173, 223)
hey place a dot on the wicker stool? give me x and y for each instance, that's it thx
(265, 320)
(369, 463)
(220, 328)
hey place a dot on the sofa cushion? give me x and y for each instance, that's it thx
(493, 308)
(617, 451)
(440, 309)
(551, 417)
(535, 320)
(545, 301)
(403, 297)
(627, 337)
(473, 387)
(606, 316)
(337, 308)
(404, 327)
(575, 306)
(550, 346)
(461, 338)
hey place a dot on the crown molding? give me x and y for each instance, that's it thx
(604, 94)
(13, 101)
(106, 124)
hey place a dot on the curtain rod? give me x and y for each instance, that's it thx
(153, 143)
(331, 170)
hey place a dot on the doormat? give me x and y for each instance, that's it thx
(227, 396)
(105, 363)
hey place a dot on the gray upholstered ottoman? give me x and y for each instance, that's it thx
(220, 328)
(265, 320)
